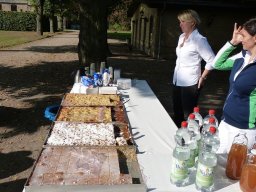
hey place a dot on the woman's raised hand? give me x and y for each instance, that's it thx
(237, 37)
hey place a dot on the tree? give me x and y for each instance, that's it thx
(39, 17)
(39, 8)
(93, 47)
(118, 19)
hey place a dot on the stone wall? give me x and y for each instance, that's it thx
(21, 7)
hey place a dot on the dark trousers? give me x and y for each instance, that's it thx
(184, 100)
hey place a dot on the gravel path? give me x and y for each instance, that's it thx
(33, 76)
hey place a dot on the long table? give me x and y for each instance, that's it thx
(153, 132)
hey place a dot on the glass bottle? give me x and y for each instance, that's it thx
(248, 176)
(237, 156)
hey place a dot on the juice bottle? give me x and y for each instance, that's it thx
(237, 156)
(248, 175)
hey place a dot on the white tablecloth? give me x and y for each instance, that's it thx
(153, 132)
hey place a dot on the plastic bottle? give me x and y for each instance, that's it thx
(237, 156)
(198, 116)
(210, 141)
(110, 69)
(194, 130)
(92, 69)
(179, 172)
(211, 123)
(182, 132)
(77, 77)
(102, 67)
(105, 78)
(205, 171)
(210, 114)
(248, 176)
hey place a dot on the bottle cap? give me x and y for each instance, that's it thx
(191, 116)
(184, 124)
(211, 112)
(196, 109)
(211, 120)
(212, 130)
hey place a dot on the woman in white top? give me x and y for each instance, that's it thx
(187, 78)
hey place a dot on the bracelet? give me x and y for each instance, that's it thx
(232, 44)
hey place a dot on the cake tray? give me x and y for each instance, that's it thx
(78, 169)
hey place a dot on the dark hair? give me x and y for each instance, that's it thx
(250, 26)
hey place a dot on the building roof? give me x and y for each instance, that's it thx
(208, 3)
(244, 4)
(14, 1)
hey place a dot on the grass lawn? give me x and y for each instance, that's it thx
(122, 35)
(11, 38)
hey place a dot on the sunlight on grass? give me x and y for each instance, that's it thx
(11, 38)
(122, 35)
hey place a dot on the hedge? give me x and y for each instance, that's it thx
(17, 21)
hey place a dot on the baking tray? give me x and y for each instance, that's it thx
(101, 114)
(88, 134)
(80, 169)
(76, 99)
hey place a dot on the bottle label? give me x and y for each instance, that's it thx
(191, 160)
(204, 175)
(179, 169)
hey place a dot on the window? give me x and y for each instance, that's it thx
(13, 7)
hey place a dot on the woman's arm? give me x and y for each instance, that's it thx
(222, 60)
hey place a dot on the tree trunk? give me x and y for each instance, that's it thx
(60, 23)
(51, 18)
(92, 47)
(39, 17)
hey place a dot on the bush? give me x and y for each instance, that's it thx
(17, 21)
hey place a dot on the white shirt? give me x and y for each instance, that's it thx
(188, 63)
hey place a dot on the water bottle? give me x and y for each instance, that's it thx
(210, 114)
(77, 77)
(92, 69)
(211, 123)
(182, 132)
(210, 141)
(194, 130)
(102, 67)
(111, 74)
(237, 156)
(105, 78)
(117, 75)
(179, 171)
(198, 116)
(207, 162)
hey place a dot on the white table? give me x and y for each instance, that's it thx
(153, 132)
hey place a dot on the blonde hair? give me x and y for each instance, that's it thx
(190, 16)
